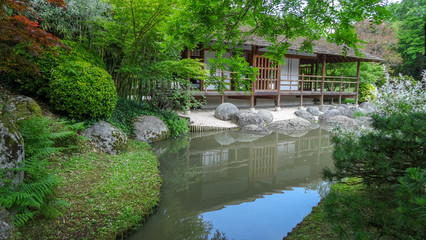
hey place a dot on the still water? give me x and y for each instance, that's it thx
(234, 185)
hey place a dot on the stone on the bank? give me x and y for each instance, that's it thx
(368, 108)
(328, 114)
(305, 115)
(22, 107)
(341, 120)
(107, 137)
(365, 121)
(294, 124)
(345, 111)
(6, 225)
(247, 118)
(225, 111)
(150, 129)
(357, 110)
(253, 128)
(266, 116)
(314, 111)
(11, 151)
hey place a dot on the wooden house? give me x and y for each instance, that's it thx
(302, 75)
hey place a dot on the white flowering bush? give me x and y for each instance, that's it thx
(401, 95)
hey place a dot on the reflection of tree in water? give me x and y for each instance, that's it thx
(219, 236)
(321, 187)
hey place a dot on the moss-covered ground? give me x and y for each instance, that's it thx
(106, 196)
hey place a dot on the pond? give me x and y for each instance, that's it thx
(234, 185)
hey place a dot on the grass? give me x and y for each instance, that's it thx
(351, 211)
(106, 195)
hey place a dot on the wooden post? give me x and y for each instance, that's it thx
(278, 100)
(340, 90)
(253, 84)
(316, 74)
(301, 91)
(188, 55)
(357, 81)
(322, 81)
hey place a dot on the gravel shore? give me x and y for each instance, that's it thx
(206, 118)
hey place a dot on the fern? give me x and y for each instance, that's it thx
(43, 137)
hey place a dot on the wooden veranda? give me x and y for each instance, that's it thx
(302, 76)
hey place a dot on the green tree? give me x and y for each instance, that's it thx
(411, 18)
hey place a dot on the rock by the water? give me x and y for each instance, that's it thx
(11, 150)
(341, 120)
(6, 225)
(368, 108)
(266, 116)
(344, 106)
(150, 129)
(294, 124)
(365, 121)
(314, 111)
(252, 128)
(107, 137)
(22, 107)
(305, 115)
(225, 111)
(357, 109)
(328, 114)
(345, 111)
(247, 118)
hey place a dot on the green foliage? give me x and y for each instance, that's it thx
(127, 110)
(411, 202)
(359, 114)
(36, 82)
(380, 156)
(42, 137)
(82, 90)
(411, 17)
(105, 194)
(367, 92)
(170, 87)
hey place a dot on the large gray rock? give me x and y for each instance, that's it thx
(342, 121)
(365, 121)
(266, 115)
(225, 111)
(6, 225)
(11, 151)
(247, 118)
(357, 110)
(252, 128)
(345, 111)
(22, 107)
(328, 114)
(305, 115)
(107, 137)
(294, 124)
(314, 111)
(150, 129)
(368, 108)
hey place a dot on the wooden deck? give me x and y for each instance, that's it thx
(302, 86)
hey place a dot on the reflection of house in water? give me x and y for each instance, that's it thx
(243, 171)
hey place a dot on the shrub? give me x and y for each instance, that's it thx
(411, 202)
(367, 92)
(127, 110)
(83, 90)
(35, 81)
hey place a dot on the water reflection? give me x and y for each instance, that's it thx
(238, 185)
